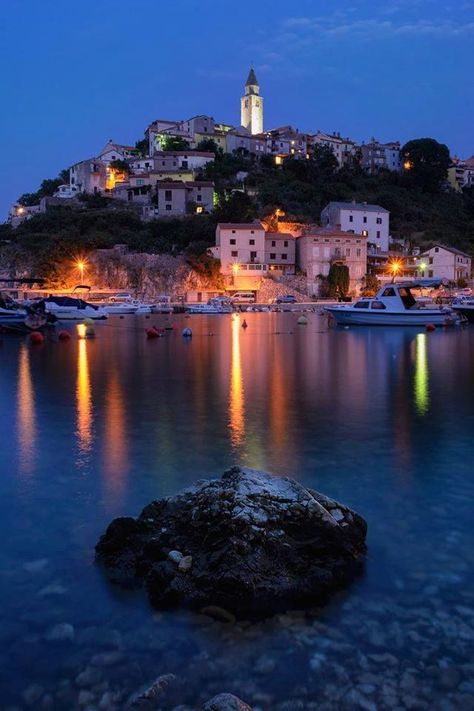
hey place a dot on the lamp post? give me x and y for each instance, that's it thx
(81, 265)
(395, 268)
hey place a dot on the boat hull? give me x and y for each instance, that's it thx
(74, 314)
(350, 317)
(467, 311)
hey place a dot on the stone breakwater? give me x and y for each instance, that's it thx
(248, 543)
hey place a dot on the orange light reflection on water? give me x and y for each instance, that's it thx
(115, 439)
(26, 417)
(83, 399)
(236, 394)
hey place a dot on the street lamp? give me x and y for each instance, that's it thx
(395, 268)
(81, 265)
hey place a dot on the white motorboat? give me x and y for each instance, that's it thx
(14, 317)
(217, 305)
(66, 308)
(394, 305)
(464, 305)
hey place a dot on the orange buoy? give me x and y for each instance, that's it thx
(152, 333)
(430, 327)
(64, 336)
(36, 338)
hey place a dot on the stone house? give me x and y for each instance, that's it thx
(318, 249)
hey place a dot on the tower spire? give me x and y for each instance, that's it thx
(251, 104)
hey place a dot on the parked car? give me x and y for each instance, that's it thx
(285, 299)
(243, 297)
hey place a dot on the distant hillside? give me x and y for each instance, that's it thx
(246, 189)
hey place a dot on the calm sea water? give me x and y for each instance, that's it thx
(381, 419)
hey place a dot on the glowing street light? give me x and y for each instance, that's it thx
(395, 268)
(81, 266)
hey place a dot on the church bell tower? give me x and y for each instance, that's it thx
(251, 105)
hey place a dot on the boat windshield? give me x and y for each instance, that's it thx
(407, 297)
(362, 305)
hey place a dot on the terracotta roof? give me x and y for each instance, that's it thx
(240, 226)
(330, 232)
(357, 206)
(453, 250)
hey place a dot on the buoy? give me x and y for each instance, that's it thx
(90, 332)
(430, 327)
(302, 321)
(244, 324)
(36, 338)
(187, 333)
(64, 336)
(152, 333)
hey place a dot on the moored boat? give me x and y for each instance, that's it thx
(66, 308)
(216, 305)
(464, 305)
(394, 305)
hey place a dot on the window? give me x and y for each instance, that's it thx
(348, 252)
(168, 207)
(233, 232)
(284, 256)
(199, 198)
(378, 234)
(273, 243)
(168, 195)
(272, 255)
(361, 305)
(389, 291)
(234, 253)
(430, 273)
(436, 249)
(253, 256)
(364, 219)
(430, 261)
(351, 218)
(378, 305)
(251, 241)
(379, 220)
(365, 233)
(232, 240)
(252, 232)
(285, 243)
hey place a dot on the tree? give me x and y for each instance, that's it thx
(426, 162)
(208, 145)
(239, 207)
(174, 143)
(120, 165)
(338, 279)
(324, 159)
(142, 147)
(371, 285)
(47, 188)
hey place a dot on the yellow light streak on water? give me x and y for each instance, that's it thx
(422, 395)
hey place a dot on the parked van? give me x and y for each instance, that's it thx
(244, 297)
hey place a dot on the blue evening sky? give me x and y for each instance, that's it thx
(74, 74)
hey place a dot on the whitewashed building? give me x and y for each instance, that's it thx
(371, 221)
(442, 262)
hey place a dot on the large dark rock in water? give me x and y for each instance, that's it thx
(250, 542)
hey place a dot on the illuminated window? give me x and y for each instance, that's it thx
(199, 209)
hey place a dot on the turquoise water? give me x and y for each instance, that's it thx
(381, 419)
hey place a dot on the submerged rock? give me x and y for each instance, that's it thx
(258, 543)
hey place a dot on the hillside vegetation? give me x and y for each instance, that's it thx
(422, 211)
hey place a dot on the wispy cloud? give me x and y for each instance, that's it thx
(370, 27)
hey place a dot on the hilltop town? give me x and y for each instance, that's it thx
(243, 204)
